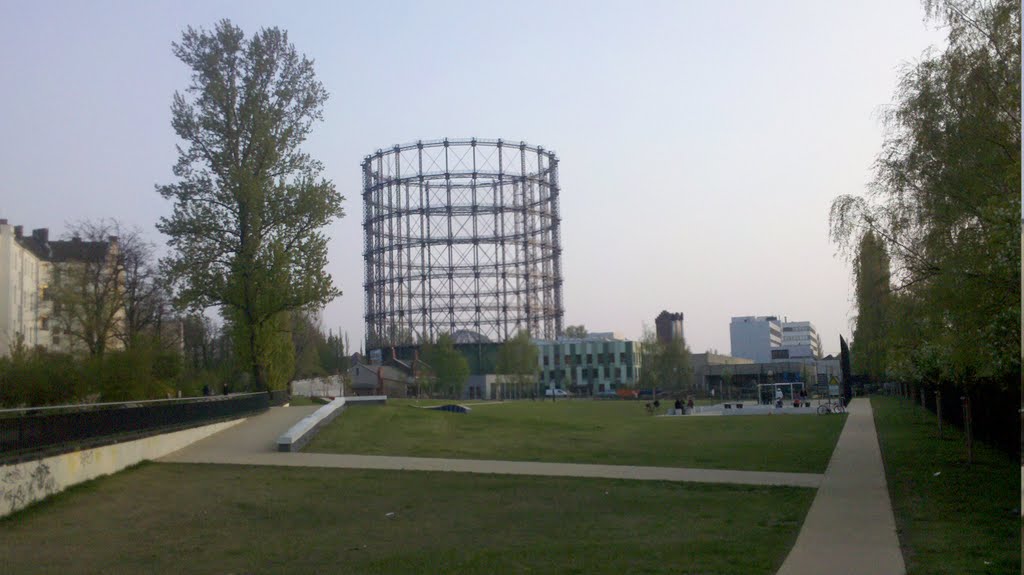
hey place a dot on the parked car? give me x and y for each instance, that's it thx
(556, 393)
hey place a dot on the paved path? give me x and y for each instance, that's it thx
(253, 442)
(850, 527)
(257, 434)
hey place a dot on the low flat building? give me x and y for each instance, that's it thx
(828, 368)
(700, 362)
(739, 381)
(369, 379)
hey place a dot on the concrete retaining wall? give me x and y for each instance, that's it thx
(29, 481)
(327, 386)
(299, 434)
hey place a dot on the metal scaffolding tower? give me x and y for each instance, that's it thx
(461, 236)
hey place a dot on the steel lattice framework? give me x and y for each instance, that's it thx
(461, 235)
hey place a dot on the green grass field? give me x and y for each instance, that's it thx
(584, 431)
(952, 518)
(181, 518)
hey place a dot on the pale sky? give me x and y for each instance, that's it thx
(701, 143)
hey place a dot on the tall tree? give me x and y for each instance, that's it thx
(870, 334)
(200, 340)
(308, 342)
(249, 203)
(87, 287)
(946, 195)
(576, 331)
(449, 368)
(333, 354)
(666, 364)
(517, 363)
(145, 295)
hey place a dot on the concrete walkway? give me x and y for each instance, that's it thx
(850, 528)
(253, 442)
(257, 434)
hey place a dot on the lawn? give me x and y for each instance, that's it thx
(952, 518)
(585, 431)
(183, 518)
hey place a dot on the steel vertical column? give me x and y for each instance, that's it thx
(556, 249)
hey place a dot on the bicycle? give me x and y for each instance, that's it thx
(832, 407)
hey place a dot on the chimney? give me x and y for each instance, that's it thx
(42, 234)
(18, 231)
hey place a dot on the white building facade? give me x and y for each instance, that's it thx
(30, 265)
(24, 278)
(800, 339)
(754, 337)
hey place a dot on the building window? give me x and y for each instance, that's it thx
(44, 323)
(622, 357)
(545, 360)
(56, 340)
(590, 358)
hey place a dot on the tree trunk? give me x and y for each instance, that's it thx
(968, 435)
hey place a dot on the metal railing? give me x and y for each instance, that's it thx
(59, 429)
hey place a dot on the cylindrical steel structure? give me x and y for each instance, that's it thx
(461, 236)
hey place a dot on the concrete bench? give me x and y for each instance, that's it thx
(299, 435)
